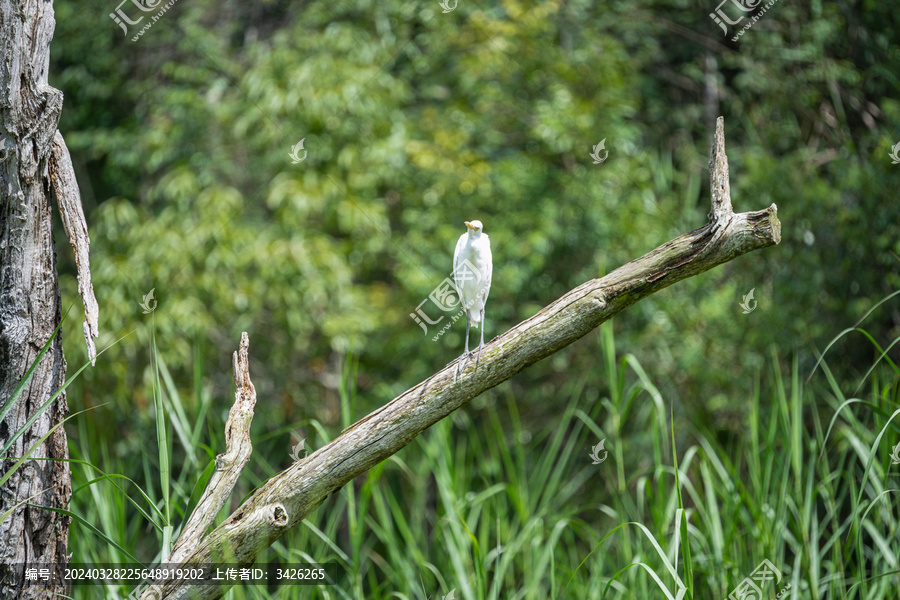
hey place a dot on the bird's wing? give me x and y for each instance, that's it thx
(490, 267)
(457, 260)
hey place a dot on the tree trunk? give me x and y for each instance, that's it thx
(29, 303)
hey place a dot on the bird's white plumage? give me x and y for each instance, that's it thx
(472, 270)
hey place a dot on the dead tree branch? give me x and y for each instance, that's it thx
(288, 497)
(228, 465)
(68, 197)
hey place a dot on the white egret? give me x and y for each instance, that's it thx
(472, 268)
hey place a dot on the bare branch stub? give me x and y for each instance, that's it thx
(230, 464)
(720, 187)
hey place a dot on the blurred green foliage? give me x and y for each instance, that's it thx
(415, 120)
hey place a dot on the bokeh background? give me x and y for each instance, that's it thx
(415, 120)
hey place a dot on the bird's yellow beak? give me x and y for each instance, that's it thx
(469, 225)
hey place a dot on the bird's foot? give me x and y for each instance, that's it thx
(461, 363)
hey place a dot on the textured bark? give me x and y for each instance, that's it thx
(68, 197)
(288, 497)
(29, 299)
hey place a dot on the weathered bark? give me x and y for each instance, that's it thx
(288, 497)
(68, 197)
(29, 301)
(228, 465)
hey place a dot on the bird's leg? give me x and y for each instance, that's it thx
(468, 323)
(482, 340)
(465, 355)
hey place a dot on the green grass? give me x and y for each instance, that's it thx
(495, 506)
